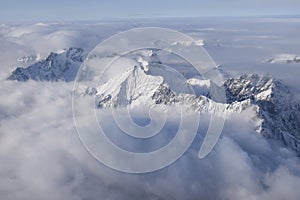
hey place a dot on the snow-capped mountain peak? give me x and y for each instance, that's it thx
(278, 107)
(273, 103)
(57, 66)
(125, 89)
(147, 81)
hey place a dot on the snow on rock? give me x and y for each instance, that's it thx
(137, 86)
(127, 88)
(284, 58)
(57, 66)
(272, 104)
(200, 87)
(29, 58)
(146, 81)
(278, 107)
(189, 43)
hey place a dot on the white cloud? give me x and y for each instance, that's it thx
(41, 156)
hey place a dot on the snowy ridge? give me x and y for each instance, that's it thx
(284, 58)
(148, 82)
(278, 108)
(273, 104)
(57, 66)
(137, 86)
(126, 89)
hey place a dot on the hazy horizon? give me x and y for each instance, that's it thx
(55, 10)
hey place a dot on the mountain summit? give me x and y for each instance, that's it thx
(57, 66)
(149, 82)
(274, 104)
(279, 109)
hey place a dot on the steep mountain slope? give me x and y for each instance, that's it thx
(274, 105)
(284, 58)
(278, 106)
(137, 86)
(127, 88)
(57, 66)
(148, 82)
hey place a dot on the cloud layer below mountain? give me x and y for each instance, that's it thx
(42, 157)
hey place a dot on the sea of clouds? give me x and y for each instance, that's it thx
(41, 156)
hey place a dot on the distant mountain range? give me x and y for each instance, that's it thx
(276, 108)
(57, 66)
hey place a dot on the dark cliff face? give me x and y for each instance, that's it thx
(164, 95)
(279, 108)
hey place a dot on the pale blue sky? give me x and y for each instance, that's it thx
(54, 10)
